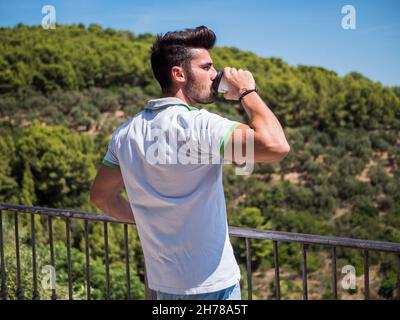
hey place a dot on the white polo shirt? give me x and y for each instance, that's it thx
(178, 203)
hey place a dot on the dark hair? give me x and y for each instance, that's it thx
(174, 49)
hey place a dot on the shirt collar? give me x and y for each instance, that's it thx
(157, 104)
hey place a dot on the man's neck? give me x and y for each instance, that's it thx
(180, 95)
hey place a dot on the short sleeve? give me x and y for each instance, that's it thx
(212, 131)
(111, 159)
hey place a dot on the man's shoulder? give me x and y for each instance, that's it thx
(199, 113)
(205, 115)
(123, 128)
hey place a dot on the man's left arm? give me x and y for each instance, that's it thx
(105, 194)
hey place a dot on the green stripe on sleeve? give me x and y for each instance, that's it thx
(226, 138)
(110, 164)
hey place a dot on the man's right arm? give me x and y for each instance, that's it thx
(270, 143)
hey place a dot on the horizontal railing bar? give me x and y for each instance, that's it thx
(233, 231)
(314, 239)
(64, 213)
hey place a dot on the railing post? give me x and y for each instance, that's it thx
(35, 293)
(128, 276)
(107, 261)
(304, 269)
(3, 292)
(248, 267)
(53, 285)
(277, 277)
(67, 230)
(20, 290)
(334, 279)
(87, 260)
(366, 275)
(398, 277)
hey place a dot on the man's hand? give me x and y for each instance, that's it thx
(105, 194)
(238, 81)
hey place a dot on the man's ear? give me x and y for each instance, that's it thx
(178, 75)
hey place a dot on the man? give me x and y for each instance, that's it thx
(179, 207)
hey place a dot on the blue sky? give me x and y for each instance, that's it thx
(300, 32)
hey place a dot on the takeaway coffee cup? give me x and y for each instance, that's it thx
(219, 84)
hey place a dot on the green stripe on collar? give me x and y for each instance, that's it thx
(174, 104)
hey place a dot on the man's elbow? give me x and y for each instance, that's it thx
(96, 200)
(279, 151)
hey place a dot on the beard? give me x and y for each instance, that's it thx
(198, 92)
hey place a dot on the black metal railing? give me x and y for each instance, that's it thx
(248, 234)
